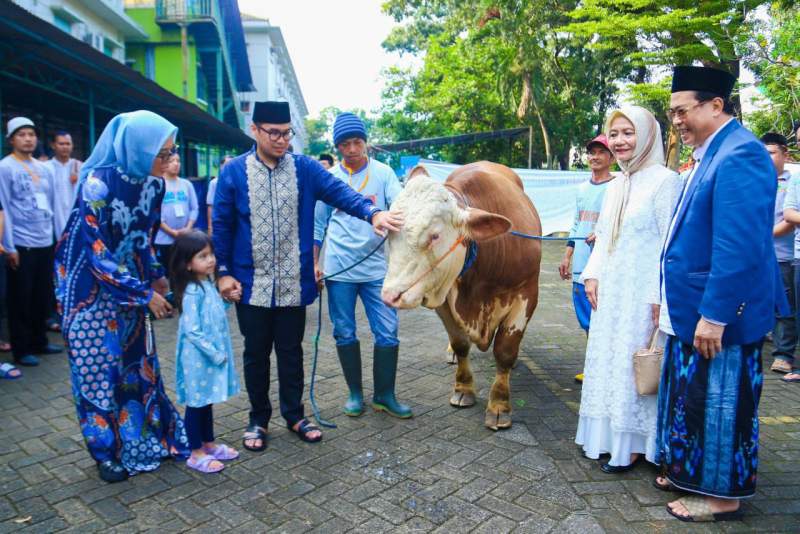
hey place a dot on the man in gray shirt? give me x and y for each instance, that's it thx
(784, 335)
(26, 193)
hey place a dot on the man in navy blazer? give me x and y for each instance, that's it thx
(719, 288)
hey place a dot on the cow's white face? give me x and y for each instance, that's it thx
(433, 224)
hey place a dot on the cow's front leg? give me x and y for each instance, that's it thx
(506, 349)
(464, 389)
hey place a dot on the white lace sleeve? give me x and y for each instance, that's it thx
(666, 196)
(601, 232)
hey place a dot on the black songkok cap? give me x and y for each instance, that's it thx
(705, 79)
(773, 138)
(272, 113)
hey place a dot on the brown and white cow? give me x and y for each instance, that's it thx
(495, 298)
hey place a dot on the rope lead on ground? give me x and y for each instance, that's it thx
(311, 398)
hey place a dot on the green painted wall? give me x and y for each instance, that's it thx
(167, 55)
(169, 71)
(135, 52)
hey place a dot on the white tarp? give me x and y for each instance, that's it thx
(552, 192)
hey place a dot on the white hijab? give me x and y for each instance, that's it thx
(649, 151)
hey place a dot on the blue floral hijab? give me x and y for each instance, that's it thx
(130, 142)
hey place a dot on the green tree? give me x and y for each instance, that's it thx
(667, 32)
(773, 54)
(487, 66)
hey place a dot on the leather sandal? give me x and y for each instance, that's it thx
(700, 511)
(255, 432)
(304, 429)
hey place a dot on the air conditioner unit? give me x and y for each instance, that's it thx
(93, 39)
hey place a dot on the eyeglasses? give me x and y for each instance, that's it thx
(164, 155)
(274, 135)
(681, 113)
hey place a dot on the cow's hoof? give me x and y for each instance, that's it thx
(497, 421)
(460, 399)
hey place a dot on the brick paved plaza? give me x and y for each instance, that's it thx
(441, 471)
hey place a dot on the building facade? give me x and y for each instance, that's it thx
(273, 75)
(102, 24)
(196, 50)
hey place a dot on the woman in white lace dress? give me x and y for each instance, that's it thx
(623, 284)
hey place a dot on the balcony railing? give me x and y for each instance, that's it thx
(184, 10)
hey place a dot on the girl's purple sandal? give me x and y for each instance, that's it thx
(223, 452)
(204, 464)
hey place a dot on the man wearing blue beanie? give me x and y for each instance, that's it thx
(349, 240)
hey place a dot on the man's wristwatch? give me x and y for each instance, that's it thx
(372, 213)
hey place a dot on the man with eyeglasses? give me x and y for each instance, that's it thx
(263, 235)
(720, 285)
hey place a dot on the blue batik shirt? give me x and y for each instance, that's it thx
(263, 223)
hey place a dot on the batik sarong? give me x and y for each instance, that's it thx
(708, 418)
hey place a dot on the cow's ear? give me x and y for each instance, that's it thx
(482, 225)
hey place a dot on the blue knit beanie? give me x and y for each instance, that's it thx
(347, 126)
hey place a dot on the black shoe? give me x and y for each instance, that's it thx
(616, 469)
(51, 348)
(111, 471)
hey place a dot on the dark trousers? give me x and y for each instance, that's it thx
(784, 335)
(2, 292)
(29, 294)
(199, 425)
(262, 328)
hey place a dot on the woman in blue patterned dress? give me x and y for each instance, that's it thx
(107, 277)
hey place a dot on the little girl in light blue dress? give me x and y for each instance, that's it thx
(204, 361)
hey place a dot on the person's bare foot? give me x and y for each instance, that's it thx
(717, 506)
(662, 482)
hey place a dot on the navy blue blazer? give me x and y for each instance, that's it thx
(719, 262)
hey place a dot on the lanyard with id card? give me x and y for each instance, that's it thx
(41, 201)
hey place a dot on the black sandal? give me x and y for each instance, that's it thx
(304, 429)
(255, 432)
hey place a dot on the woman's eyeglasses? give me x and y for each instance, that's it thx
(164, 155)
(274, 135)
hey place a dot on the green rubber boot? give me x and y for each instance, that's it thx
(350, 358)
(384, 373)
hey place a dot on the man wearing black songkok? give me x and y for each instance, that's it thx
(720, 286)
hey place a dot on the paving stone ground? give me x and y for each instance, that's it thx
(441, 471)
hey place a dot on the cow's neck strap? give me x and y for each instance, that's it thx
(472, 255)
(436, 263)
(472, 246)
